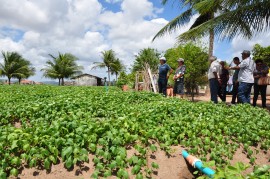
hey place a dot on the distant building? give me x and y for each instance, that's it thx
(27, 82)
(87, 80)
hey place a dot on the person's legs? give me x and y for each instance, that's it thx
(164, 87)
(256, 94)
(223, 92)
(248, 92)
(159, 85)
(181, 90)
(214, 90)
(263, 94)
(234, 92)
(242, 92)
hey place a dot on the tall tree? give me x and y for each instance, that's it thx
(238, 18)
(117, 67)
(61, 67)
(14, 66)
(108, 57)
(262, 53)
(186, 16)
(196, 64)
(25, 70)
(146, 55)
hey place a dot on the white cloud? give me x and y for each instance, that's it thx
(85, 28)
(239, 44)
(113, 1)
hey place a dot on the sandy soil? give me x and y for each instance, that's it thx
(173, 166)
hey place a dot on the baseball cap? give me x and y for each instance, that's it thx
(162, 58)
(180, 60)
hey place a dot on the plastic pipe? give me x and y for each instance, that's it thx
(195, 162)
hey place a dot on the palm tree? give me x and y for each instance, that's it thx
(117, 67)
(25, 70)
(241, 17)
(15, 66)
(185, 17)
(108, 61)
(146, 55)
(63, 66)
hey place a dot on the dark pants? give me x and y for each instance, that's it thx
(260, 89)
(222, 92)
(244, 90)
(162, 86)
(214, 88)
(235, 92)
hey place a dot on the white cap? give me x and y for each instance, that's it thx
(162, 58)
(180, 60)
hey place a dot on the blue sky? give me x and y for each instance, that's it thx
(87, 27)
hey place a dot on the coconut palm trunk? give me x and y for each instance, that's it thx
(9, 78)
(211, 42)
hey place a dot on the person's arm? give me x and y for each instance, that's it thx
(170, 72)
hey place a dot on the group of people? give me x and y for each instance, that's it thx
(247, 73)
(164, 73)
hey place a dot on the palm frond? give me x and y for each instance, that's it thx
(175, 23)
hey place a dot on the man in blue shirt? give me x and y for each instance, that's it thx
(163, 75)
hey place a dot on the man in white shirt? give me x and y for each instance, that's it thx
(213, 77)
(245, 77)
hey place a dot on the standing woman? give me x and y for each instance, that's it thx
(260, 85)
(163, 75)
(179, 79)
(236, 61)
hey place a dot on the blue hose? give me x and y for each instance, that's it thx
(199, 165)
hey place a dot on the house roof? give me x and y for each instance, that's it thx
(85, 74)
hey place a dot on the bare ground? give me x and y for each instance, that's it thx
(172, 167)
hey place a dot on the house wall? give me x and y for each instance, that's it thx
(86, 81)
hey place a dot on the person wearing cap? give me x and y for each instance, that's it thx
(245, 77)
(179, 78)
(163, 75)
(213, 77)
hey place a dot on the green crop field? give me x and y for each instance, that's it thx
(68, 123)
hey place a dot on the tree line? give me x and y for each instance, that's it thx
(60, 67)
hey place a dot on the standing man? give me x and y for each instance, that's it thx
(236, 61)
(179, 79)
(213, 77)
(163, 75)
(224, 77)
(245, 77)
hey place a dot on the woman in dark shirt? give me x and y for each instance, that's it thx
(260, 71)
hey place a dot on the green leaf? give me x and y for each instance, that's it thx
(14, 172)
(47, 164)
(136, 169)
(53, 159)
(107, 173)
(32, 163)
(153, 148)
(66, 152)
(155, 165)
(69, 163)
(92, 147)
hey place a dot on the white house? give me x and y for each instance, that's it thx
(87, 80)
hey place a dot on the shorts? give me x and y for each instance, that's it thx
(179, 88)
